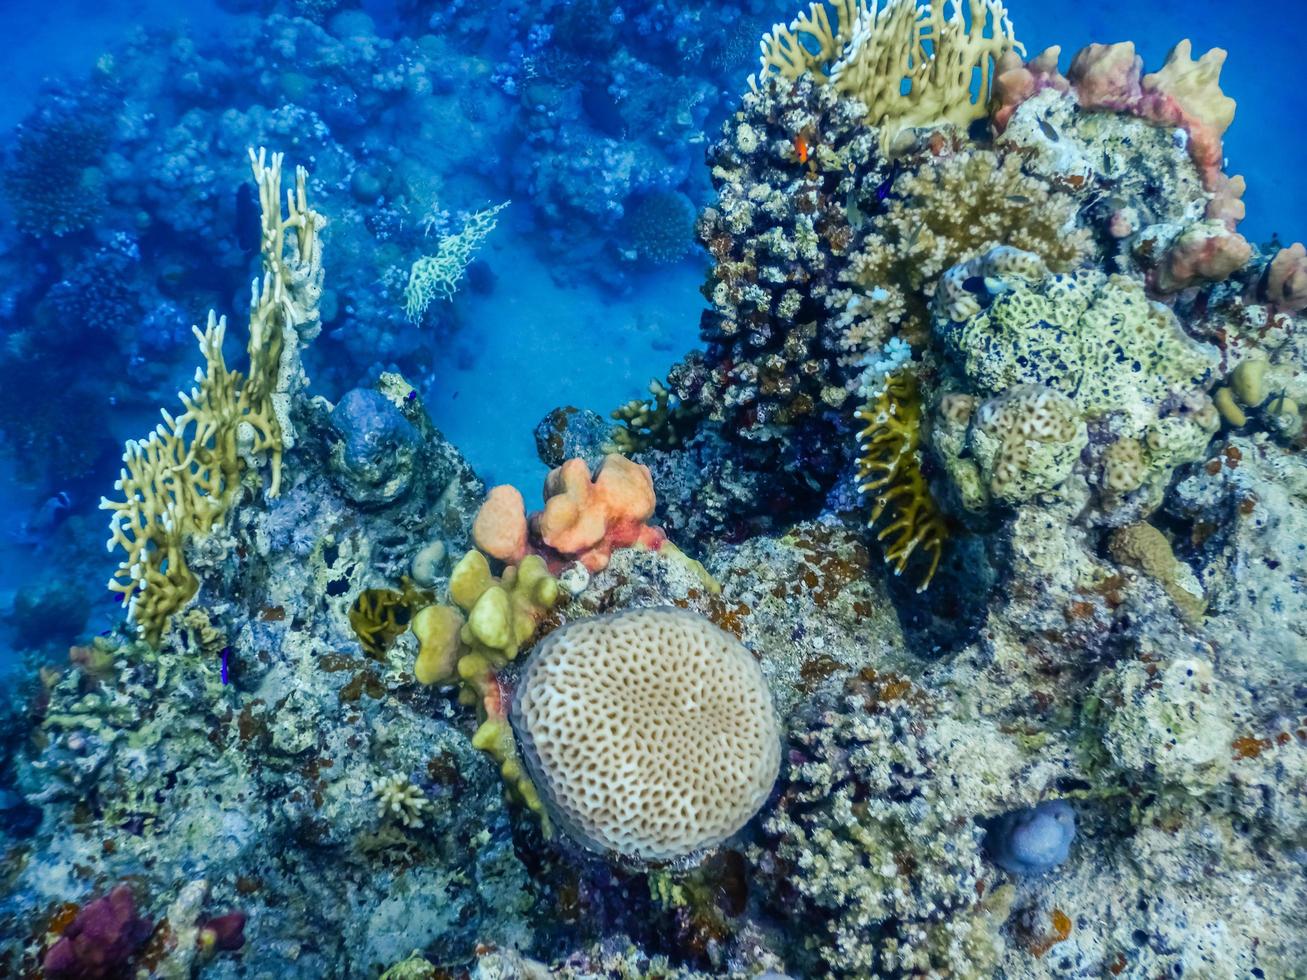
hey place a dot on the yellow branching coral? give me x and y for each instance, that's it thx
(380, 616)
(889, 468)
(658, 422)
(911, 66)
(182, 479)
(469, 641)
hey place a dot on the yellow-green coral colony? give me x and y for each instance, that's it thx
(487, 623)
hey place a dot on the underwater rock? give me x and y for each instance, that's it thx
(1032, 841)
(18, 818)
(372, 455)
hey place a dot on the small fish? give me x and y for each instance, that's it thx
(105, 632)
(226, 676)
(912, 239)
(46, 520)
(1018, 199)
(801, 148)
(1047, 129)
(851, 210)
(411, 395)
(883, 188)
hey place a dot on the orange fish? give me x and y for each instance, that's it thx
(801, 148)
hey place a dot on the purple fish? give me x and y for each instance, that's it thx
(226, 676)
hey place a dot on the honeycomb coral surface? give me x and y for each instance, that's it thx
(650, 732)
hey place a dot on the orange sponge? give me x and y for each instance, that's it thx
(583, 519)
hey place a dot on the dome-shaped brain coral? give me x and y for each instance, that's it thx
(650, 733)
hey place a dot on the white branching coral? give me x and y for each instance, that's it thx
(911, 66)
(440, 274)
(399, 800)
(181, 480)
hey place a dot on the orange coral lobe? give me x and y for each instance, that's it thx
(500, 526)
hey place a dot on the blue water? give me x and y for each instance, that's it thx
(548, 333)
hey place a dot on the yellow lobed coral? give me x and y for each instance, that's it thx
(889, 467)
(483, 630)
(911, 66)
(182, 479)
(380, 616)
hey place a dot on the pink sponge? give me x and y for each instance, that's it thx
(1286, 279)
(99, 942)
(583, 519)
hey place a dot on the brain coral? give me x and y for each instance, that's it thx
(650, 732)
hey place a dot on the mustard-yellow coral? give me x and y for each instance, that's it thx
(889, 468)
(181, 480)
(380, 616)
(911, 66)
(469, 641)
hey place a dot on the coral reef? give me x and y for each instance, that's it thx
(364, 718)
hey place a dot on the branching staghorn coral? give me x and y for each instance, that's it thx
(183, 478)
(911, 66)
(441, 273)
(889, 466)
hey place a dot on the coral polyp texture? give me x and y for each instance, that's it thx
(180, 481)
(650, 732)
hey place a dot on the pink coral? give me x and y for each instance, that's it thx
(99, 942)
(1107, 76)
(1201, 253)
(1184, 93)
(1286, 279)
(1016, 81)
(583, 520)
